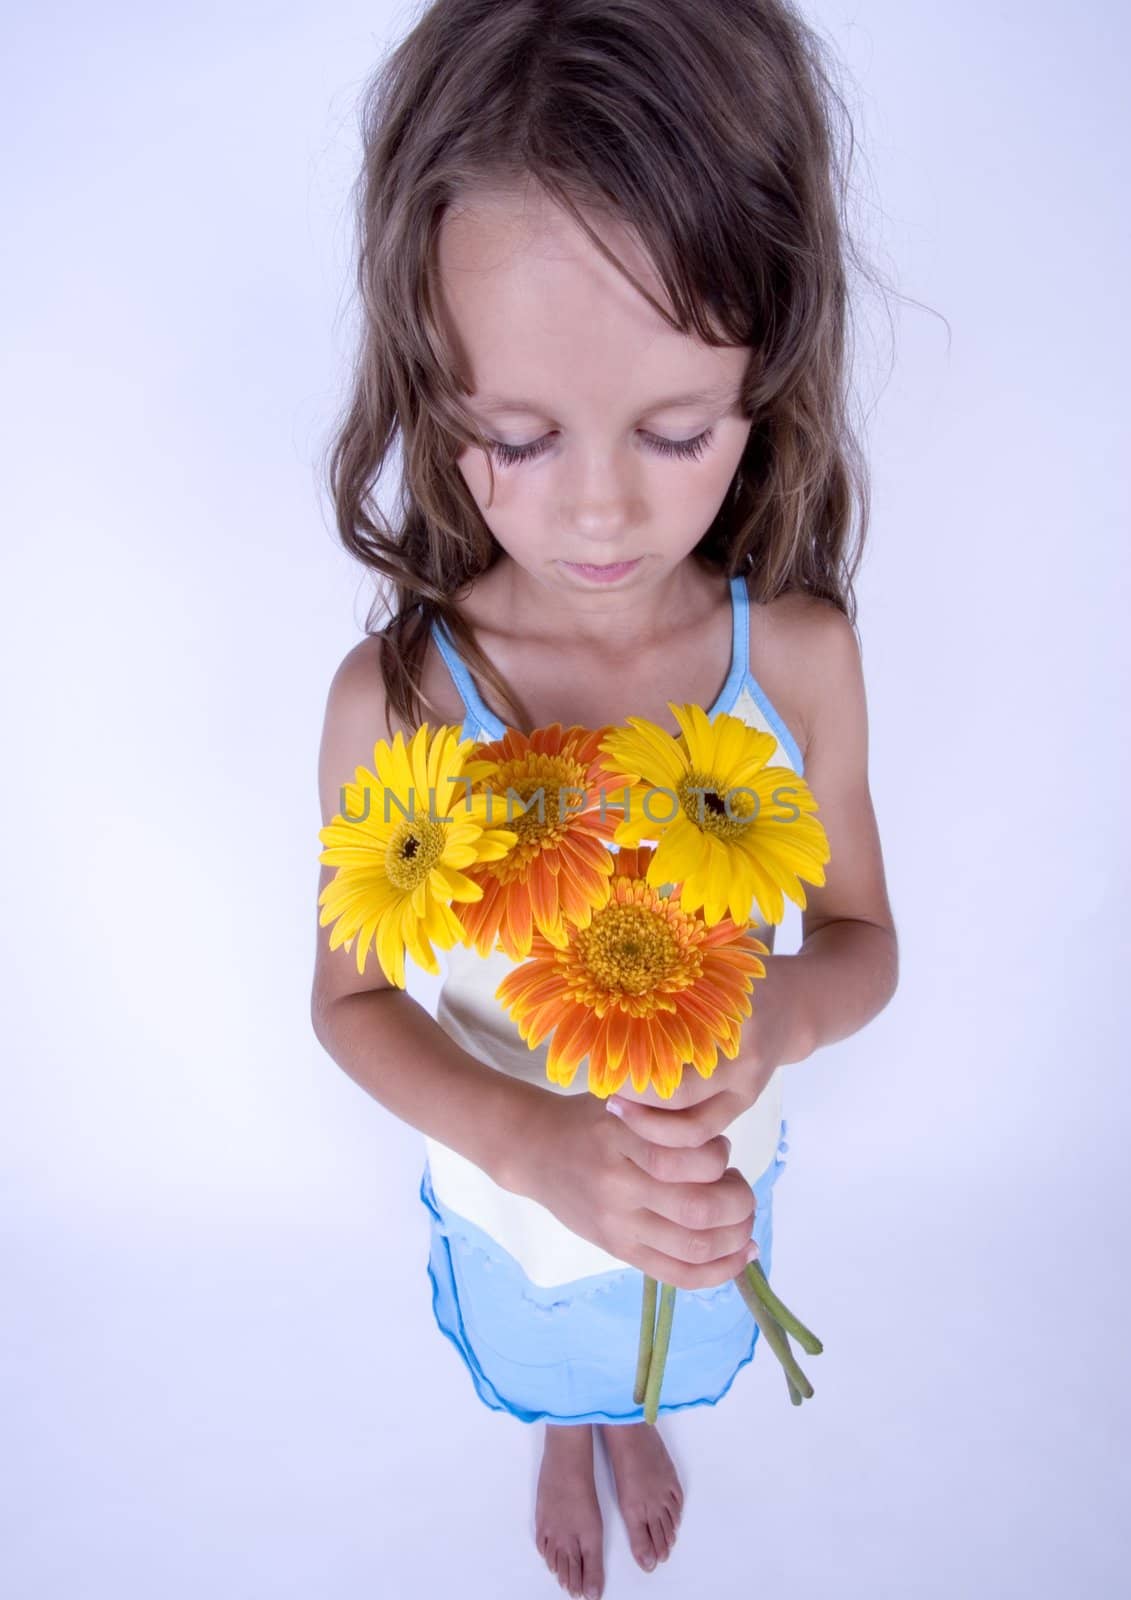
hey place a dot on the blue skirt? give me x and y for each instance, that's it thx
(567, 1353)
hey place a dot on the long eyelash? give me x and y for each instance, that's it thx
(510, 455)
(688, 449)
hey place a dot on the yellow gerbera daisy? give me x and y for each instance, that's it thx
(644, 988)
(560, 868)
(410, 829)
(768, 843)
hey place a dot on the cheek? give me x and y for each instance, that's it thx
(697, 489)
(473, 467)
(512, 511)
(691, 493)
(732, 437)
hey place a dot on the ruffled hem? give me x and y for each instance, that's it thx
(567, 1353)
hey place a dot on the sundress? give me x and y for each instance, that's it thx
(546, 1322)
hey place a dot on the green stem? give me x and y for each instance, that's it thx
(774, 1335)
(659, 1352)
(778, 1309)
(647, 1333)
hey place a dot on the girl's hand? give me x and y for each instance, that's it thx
(682, 1216)
(702, 1108)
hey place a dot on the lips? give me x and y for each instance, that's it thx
(603, 566)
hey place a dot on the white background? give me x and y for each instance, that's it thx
(219, 1359)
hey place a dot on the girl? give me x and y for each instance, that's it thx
(603, 280)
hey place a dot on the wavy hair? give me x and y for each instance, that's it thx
(715, 130)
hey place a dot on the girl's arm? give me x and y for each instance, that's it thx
(378, 1034)
(847, 967)
(563, 1151)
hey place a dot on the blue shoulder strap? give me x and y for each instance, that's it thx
(742, 655)
(740, 646)
(477, 713)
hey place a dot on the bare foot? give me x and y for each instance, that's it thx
(568, 1529)
(648, 1488)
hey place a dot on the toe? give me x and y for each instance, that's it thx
(575, 1570)
(593, 1575)
(659, 1536)
(643, 1549)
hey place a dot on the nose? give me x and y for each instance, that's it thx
(601, 507)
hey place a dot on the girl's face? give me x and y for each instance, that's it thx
(616, 438)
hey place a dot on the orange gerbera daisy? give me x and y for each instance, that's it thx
(560, 867)
(645, 987)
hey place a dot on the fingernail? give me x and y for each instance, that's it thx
(752, 1252)
(615, 1107)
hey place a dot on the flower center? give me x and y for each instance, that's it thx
(629, 949)
(539, 821)
(415, 847)
(708, 811)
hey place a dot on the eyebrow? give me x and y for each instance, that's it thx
(691, 397)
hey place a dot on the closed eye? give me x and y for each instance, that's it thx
(511, 455)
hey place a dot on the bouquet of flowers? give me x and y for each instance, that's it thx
(639, 960)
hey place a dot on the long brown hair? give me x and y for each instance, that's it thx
(714, 128)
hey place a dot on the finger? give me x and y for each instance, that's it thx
(694, 1245)
(694, 1125)
(695, 1163)
(689, 1259)
(698, 1207)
